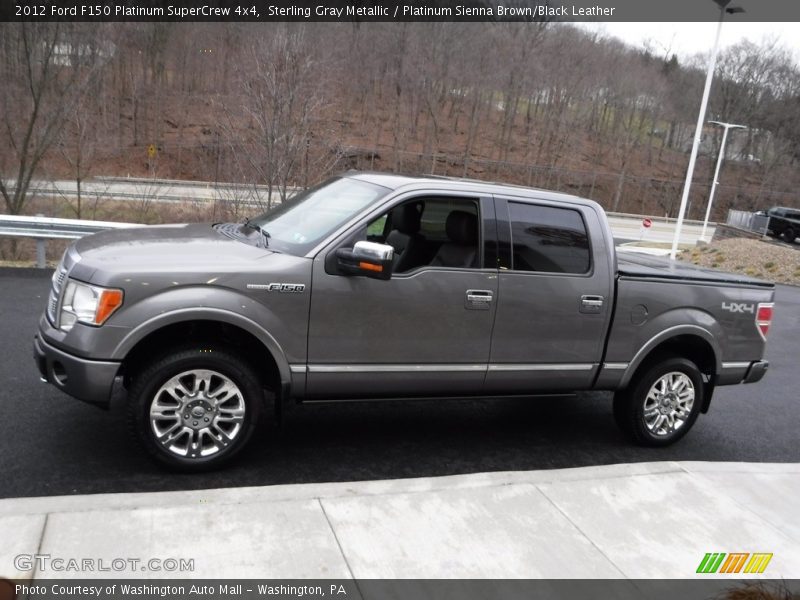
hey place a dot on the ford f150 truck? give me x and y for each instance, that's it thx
(382, 286)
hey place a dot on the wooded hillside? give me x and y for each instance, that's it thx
(543, 104)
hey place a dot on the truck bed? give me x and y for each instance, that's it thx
(630, 264)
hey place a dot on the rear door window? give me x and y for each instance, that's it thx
(547, 239)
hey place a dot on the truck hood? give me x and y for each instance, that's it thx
(161, 248)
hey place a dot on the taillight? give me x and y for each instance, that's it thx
(764, 318)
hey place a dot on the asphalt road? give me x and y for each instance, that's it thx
(153, 190)
(51, 444)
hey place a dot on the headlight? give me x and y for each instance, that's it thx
(88, 304)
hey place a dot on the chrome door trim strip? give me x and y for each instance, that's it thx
(615, 366)
(542, 367)
(442, 368)
(395, 368)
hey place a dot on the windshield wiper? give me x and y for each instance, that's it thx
(256, 227)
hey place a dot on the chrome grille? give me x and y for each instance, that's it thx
(55, 292)
(52, 304)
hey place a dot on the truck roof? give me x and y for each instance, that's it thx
(395, 182)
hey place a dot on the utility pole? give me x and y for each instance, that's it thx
(712, 63)
(726, 127)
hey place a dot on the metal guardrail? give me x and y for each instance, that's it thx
(43, 228)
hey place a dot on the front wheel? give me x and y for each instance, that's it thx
(789, 235)
(662, 402)
(194, 409)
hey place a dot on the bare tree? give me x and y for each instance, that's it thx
(44, 69)
(78, 144)
(281, 96)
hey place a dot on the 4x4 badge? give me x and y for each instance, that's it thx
(736, 307)
(278, 287)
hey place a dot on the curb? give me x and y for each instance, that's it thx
(312, 491)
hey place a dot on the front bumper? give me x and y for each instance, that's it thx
(87, 380)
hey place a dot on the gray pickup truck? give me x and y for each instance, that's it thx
(380, 286)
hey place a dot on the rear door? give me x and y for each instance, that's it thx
(555, 296)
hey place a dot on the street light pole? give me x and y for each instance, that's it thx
(726, 127)
(723, 8)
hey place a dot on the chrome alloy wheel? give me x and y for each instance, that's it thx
(197, 413)
(668, 404)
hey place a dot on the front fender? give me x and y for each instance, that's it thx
(206, 314)
(221, 305)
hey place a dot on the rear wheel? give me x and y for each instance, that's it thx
(194, 409)
(662, 402)
(789, 234)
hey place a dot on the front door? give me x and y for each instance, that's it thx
(424, 332)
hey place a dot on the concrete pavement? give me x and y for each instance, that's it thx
(638, 521)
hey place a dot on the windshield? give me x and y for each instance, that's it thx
(301, 222)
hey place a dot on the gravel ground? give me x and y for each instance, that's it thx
(766, 260)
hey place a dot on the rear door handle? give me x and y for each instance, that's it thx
(591, 304)
(478, 299)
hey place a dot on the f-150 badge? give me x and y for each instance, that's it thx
(295, 288)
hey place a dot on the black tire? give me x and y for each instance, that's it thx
(195, 363)
(789, 235)
(629, 404)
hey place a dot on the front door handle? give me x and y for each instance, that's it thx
(478, 299)
(591, 304)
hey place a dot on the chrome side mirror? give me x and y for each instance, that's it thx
(368, 259)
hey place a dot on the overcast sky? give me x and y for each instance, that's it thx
(685, 39)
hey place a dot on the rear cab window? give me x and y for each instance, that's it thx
(548, 239)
